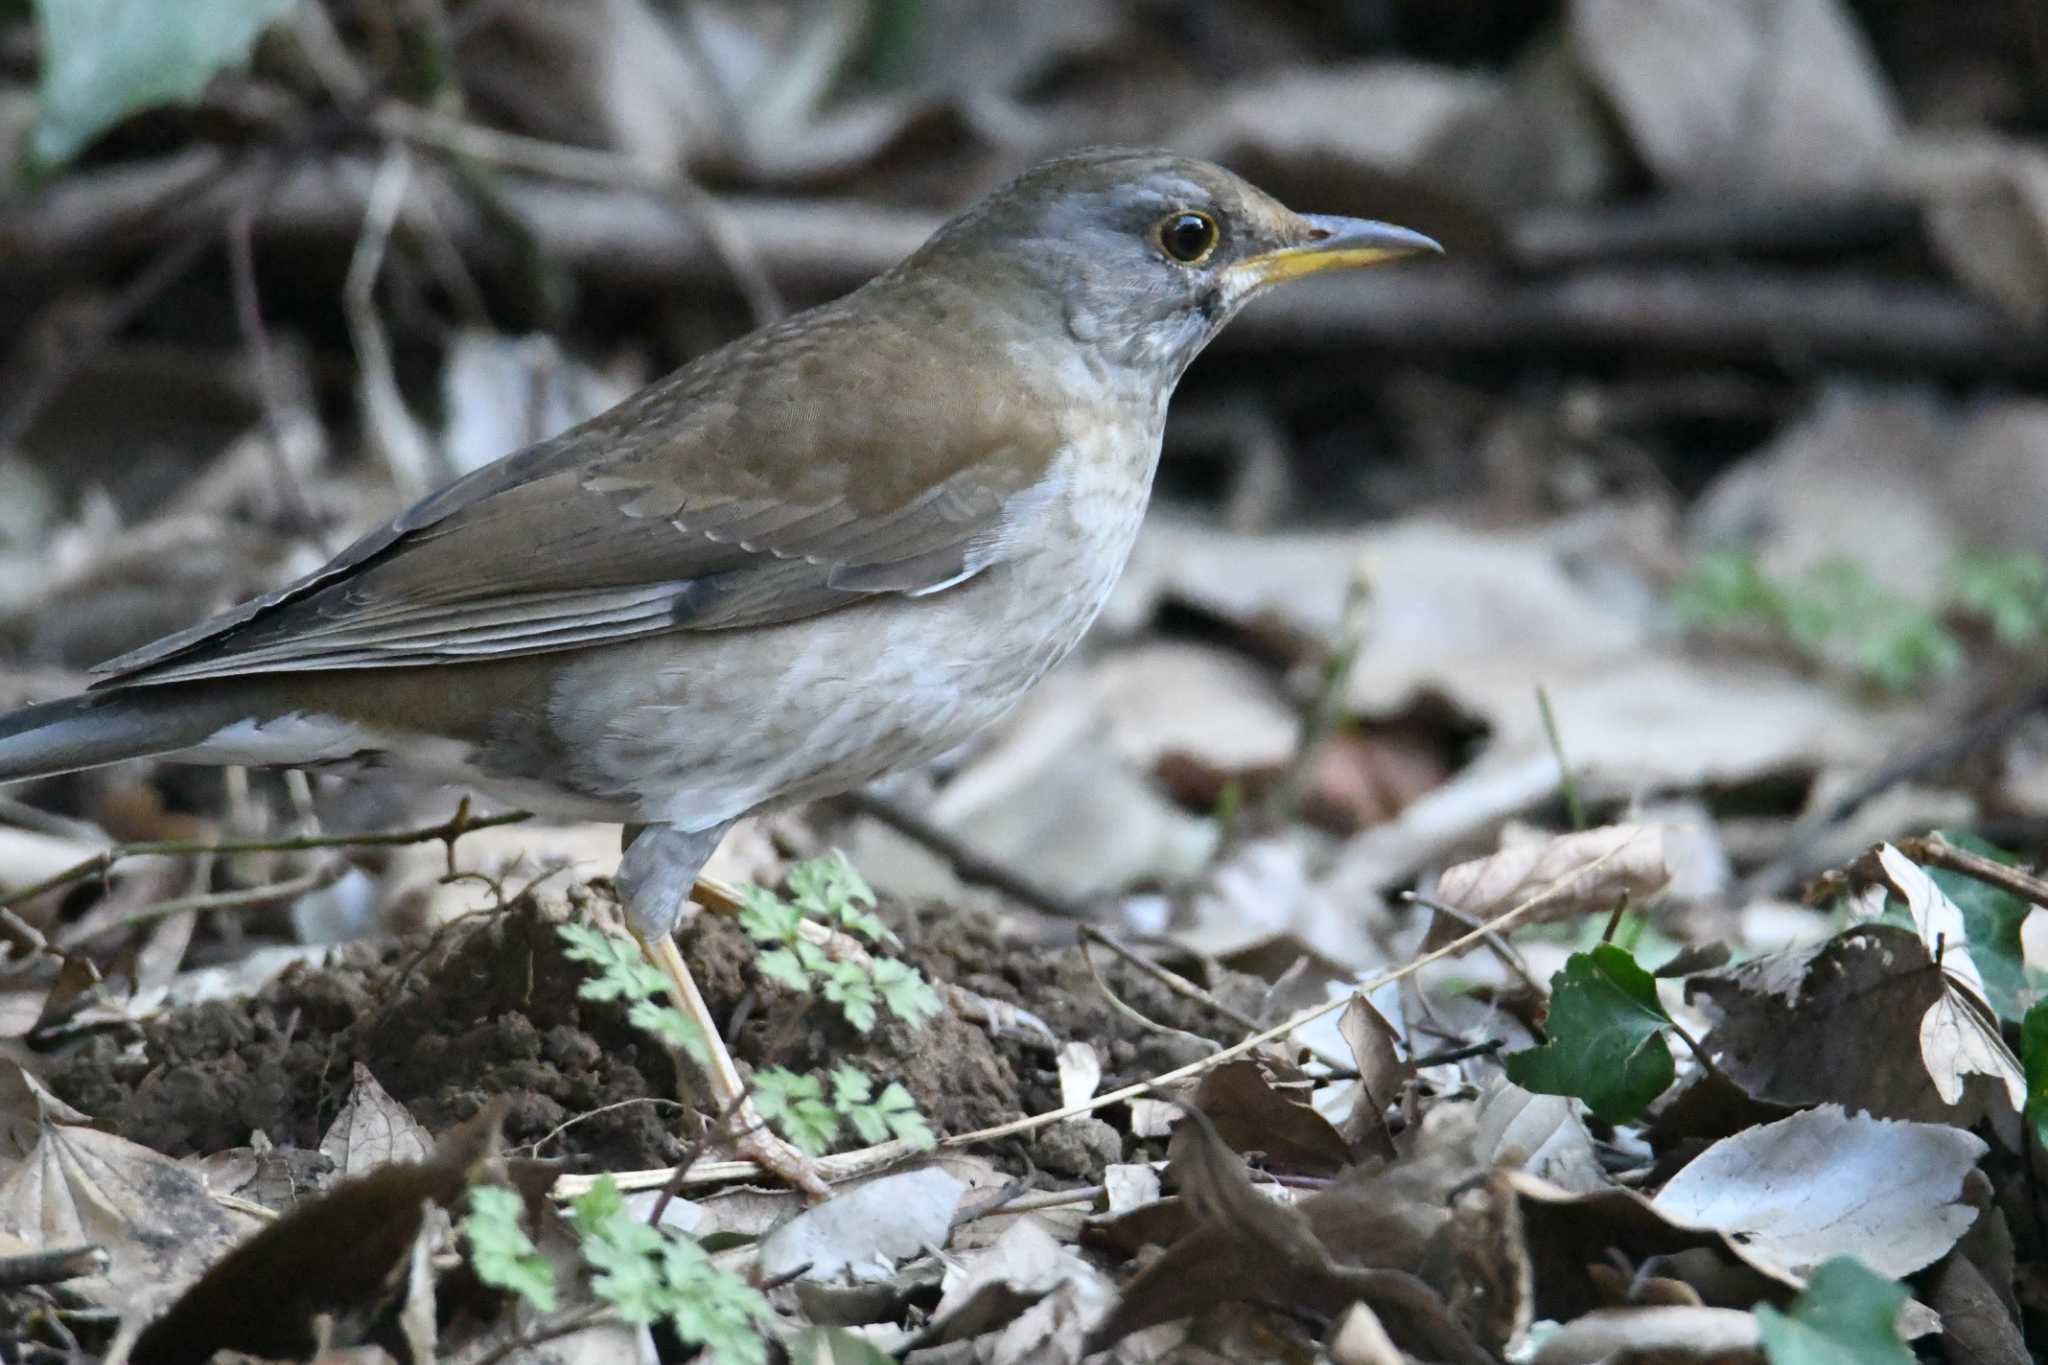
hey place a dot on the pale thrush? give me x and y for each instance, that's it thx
(826, 552)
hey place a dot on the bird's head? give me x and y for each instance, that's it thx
(1143, 255)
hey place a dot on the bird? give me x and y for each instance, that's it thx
(826, 552)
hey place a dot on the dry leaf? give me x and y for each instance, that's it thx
(1080, 1073)
(156, 1220)
(1959, 1033)
(1676, 1334)
(864, 1232)
(1634, 868)
(372, 1130)
(1789, 1195)
(1254, 1116)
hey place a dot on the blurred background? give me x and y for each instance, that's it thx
(1701, 481)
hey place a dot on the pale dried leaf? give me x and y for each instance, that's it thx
(155, 1218)
(1630, 864)
(1789, 1195)
(1360, 1339)
(1080, 1073)
(1959, 1036)
(1127, 1186)
(1681, 1333)
(372, 1130)
(864, 1232)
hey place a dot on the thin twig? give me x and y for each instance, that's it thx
(1935, 851)
(1565, 782)
(968, 865)
(296, 511)
(52, 1267)
(246, 898)
(582, 165)
(848, 1165)
(1131, 1013)
(101, 863)
(1326, 709)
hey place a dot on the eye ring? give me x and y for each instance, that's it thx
(1187, 237)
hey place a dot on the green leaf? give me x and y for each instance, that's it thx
(597, 1205)
(835, 1346)
(905, 991)
(1992, 919)
(850, 1088)
(849, 986)
(625, 1253)
(2034, 1058)
(501, 1253)
(2009, 591)
(1607, 1044)
(668, 1024)
(768, 918)
(103, 60)
(623, 971)
(796, 1105)
(1848, 1315)
(714, 1308)
(780, 964)
(900, 1112)
(828, 887)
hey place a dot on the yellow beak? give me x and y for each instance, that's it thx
(1338, 244)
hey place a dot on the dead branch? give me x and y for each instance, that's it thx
(447, 832)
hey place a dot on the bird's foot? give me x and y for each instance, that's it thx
(754, 1139)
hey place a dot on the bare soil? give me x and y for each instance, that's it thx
(490, 1007)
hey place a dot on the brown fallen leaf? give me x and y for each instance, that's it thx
(1252, 1115)
(1244, 1245)
(345, 1255)
(1630, 865)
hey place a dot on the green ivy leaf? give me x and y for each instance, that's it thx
(103, 60)
(1992, 920)
(1607, 1044)
(2034, 1058)
(501, 1253)
(1847, 1315)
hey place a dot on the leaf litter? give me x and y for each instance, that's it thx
(1757, 1128)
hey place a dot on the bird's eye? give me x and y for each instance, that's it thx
(1187, 237)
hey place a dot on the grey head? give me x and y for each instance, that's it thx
(1142, 255)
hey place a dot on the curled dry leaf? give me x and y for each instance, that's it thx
(1630, 865)
(1959, 1033)
(1233, 1242)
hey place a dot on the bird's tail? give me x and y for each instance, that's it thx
(96, 728)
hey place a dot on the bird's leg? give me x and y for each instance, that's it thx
(655, 879)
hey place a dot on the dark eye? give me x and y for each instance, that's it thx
(1187, 237)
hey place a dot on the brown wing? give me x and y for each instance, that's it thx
(741, 491)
